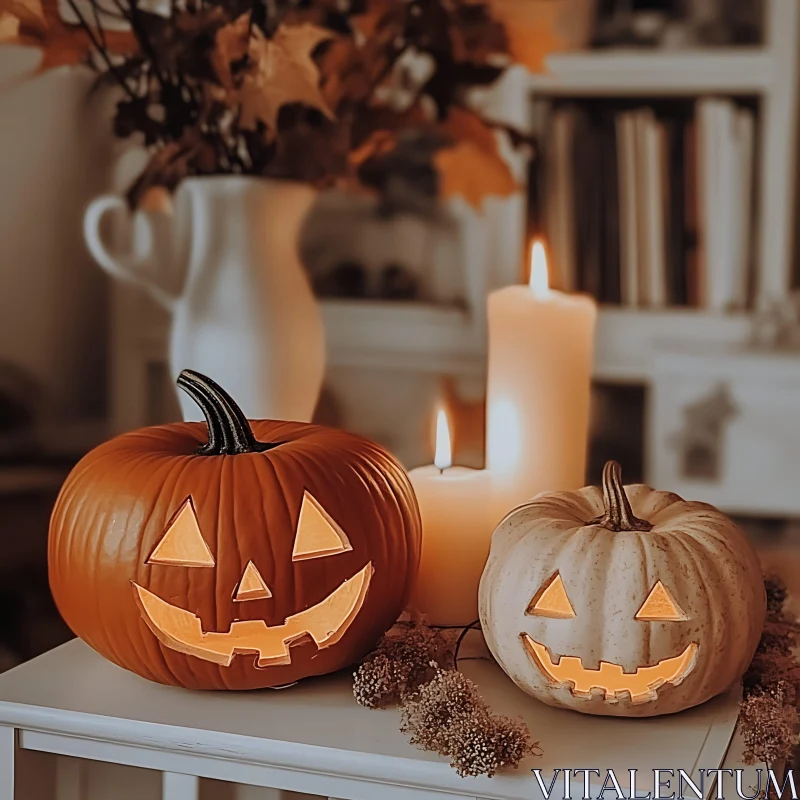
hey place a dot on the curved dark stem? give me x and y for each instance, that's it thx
(618, 514)
(98, 46)
(229, 432)
(460, 639)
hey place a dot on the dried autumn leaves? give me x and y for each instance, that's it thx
(278, 71)
(262, 75)
(357, 93)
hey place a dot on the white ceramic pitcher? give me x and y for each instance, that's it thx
(225, 262)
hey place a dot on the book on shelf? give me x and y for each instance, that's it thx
(559, 208)
(651, 206)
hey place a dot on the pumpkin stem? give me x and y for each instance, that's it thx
(618, 514)
(229, 432)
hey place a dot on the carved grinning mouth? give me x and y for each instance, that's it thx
(325, 623)
(610, 680)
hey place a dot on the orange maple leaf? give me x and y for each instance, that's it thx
(468, 171)
(231, 43)
(282, 72)
(462, 124)
(534, 30)
(472, 167)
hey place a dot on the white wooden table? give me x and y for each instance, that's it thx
(314, 738)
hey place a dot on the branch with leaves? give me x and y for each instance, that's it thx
(350, 93)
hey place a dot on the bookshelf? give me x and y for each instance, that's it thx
(627, 339)
(767, 73)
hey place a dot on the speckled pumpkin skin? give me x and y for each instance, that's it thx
(700, 555)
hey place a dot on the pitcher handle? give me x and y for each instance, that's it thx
(130, 267)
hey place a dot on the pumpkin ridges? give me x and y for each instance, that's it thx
(370, 536)
(153, 524)
(709, 566)
(281, 471)
(738, 583)
(717, 629)
(156, 466)
(144, 573)
(69, 506)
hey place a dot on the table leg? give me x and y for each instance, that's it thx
(176, 786)
(8, 746)
(72, 779)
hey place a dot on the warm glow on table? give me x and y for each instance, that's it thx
(539, 370)
(455, 505)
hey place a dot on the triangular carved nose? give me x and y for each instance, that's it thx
(252, 585)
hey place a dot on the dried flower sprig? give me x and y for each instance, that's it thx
(448, 716)
(441, 710)
(769, 716)
(400, 664)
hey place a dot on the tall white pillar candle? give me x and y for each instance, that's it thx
(539, 373)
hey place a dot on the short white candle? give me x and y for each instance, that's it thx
(455, 506)
(538, 388)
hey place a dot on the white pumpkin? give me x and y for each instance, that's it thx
(621, 601)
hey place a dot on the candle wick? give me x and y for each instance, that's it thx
(441, 470)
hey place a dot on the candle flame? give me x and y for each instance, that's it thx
(539, 281)
(443, 457)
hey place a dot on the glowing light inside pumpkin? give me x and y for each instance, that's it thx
(443, 457)
(538, 280)
(552, 601)
(660, 606)
(182, 545)
(325, 623)
(318, 534)
(252, 586)
(610, 680)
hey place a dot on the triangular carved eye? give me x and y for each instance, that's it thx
(552, 601)
(660, 606)
(182, 545)
(252, 586)
(318, 534)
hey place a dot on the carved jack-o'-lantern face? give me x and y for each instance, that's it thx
(609, 679)
(234, 555)
(182, 545)
(621, 601)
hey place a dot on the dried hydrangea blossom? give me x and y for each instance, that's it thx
(400, 664)
(441, 709)
(768, 723)
(768, 715)
(448, 716)
(777, 594)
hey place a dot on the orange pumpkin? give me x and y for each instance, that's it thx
(231, 556)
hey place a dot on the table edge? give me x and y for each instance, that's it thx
(240, 748)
